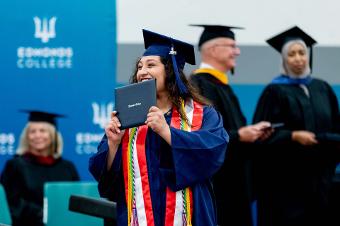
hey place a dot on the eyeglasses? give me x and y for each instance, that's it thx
(233, 46)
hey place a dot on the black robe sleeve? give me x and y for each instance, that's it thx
(270, 108)
(224, 100)
(317, 111)
(12, 180)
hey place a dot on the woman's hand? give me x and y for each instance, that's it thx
(155, 120)
(114, 137)
(304, 137)
(113, 133)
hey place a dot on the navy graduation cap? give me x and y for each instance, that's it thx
(294, 33)
(40, 116)
(215, 31)
(164, 46)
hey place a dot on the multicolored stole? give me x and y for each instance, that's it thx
(179, 205)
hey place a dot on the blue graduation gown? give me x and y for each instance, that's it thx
(191, 160)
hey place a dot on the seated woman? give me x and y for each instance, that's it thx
(38, 160)
(295, 176)
(160, 173)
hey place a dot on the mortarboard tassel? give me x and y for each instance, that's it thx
(180, 85)
(232, 70)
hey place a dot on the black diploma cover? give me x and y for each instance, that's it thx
(133, 102)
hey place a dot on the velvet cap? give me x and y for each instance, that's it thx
(178, 51)
(215, 31)
(40, 116)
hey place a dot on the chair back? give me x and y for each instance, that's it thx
(56, 199)
(5, 217)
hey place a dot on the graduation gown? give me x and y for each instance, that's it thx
(23, 179)
(293, 180)
(233, 182)
(190, 161)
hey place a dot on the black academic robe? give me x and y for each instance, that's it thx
(293, 180)
(232, 184)
(23, 179)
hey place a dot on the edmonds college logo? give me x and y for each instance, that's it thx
(43, 29)
(44, 57)
(101, 114)
(87, 141)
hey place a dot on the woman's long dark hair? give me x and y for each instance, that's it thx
(170, 84)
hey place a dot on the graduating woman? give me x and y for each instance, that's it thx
(294, 177)
(159, 173)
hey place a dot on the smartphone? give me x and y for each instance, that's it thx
(274, 126)
(277, 125)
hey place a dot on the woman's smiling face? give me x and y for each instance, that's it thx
(151, 67)
(39, 138)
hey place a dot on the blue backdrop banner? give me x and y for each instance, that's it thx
(58, 56)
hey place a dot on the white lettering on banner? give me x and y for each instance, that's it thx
(43, 30)
(87, 143)
(102, 114)
(44, 57)
(51, 63)
(7, 141)
(45, 52)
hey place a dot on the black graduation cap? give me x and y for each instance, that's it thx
(164, 46)
(294, 33)
(40, 116)
(215, 31)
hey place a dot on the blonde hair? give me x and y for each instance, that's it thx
(56, 141)
(284, 53)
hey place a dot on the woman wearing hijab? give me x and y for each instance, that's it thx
(160, 173)
(294, 180)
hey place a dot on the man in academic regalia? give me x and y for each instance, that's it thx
(232, 184)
